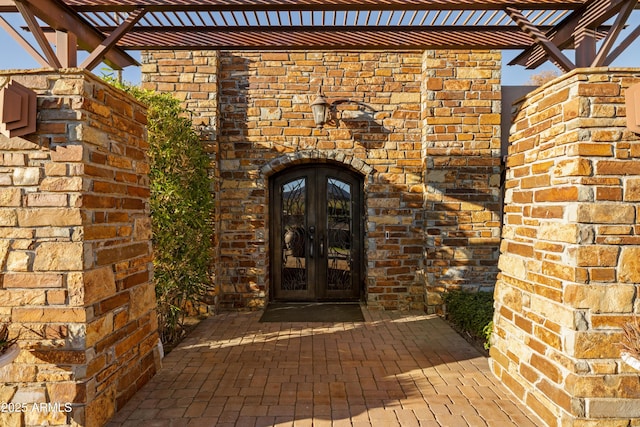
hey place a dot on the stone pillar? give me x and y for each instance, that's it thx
(570, 269)
(461, 152)
(75, 254)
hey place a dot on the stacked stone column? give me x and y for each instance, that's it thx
(461, 155)
(570, 254)
(75, 254)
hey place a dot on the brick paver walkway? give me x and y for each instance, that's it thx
(392, 370)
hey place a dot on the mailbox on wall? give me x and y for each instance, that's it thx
(18, 110)
(633, 108)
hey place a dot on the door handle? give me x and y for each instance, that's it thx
(312, 231)
(321, 246)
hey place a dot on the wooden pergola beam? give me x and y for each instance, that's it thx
(543, 28)
(319, 5)
(23, 42)
(60, 17)
(38, 34)
(612, 36)
(270, 38)
(66, 49)
(585, 44)
(593, 14)
(541, 40)
(623, 46)
(99, 52)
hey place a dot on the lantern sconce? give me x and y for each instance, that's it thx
(324, 111)
(320, 108)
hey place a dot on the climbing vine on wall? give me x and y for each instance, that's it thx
(181, 205)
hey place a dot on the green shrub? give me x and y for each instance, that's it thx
(471, 313)
(181, 205)
(486, 333)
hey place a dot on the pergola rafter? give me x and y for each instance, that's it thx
(589, 16)
(299, 37)
(318, 5)
(543, 29)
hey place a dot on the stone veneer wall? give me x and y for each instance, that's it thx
(266, 119)
(75, 253)
(461, 150)
(191, 77)
(570, 261)
(265, 124)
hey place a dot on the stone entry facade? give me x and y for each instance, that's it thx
(430, 153)
(570, 262)
(75, 250)
(427, 144)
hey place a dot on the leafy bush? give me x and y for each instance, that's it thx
(181, 205)
(486, 333)
(471, 313)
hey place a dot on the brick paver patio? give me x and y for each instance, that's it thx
(395, 369)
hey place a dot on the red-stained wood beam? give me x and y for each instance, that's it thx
(271, 38)
(551, 49)
(593, 14)
(7, 6)
(23, 42)
(57, 15)
(64, 15)
(285, 5)
(66, 49)
(99, 52)
(38, 34)
(633, 35)
(585, 44)
(612, 36)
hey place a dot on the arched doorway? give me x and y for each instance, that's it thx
(317, 234)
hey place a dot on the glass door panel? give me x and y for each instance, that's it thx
(339, 226)
(293, 236)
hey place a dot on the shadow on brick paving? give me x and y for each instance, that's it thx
(393, 369)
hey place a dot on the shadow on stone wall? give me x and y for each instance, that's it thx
(240, 276)
(364, 123)
(263, 121)
(462, 235)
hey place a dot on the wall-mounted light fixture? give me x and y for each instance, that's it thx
(323, 110)
(320, 109)
(632, 96)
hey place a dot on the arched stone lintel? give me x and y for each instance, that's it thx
(315, 156)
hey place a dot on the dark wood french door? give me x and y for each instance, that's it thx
(316, 234)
